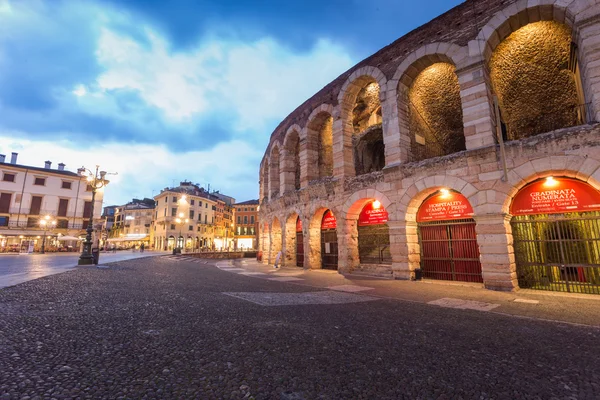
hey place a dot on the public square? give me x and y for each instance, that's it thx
(178, 327)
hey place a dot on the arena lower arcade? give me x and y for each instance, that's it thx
(467, 150)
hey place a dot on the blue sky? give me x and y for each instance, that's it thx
(162, 91)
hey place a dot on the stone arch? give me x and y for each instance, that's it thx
(319, 137)
(348, 230)
(312, 236)
(290, 160)
(274, 171)
(407, 239)
(344, 128)
(534, 68)
(398, 88)
(584, 169)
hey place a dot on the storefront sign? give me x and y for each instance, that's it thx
(371, 215)
(298, 225)
(445, 206)
(329, 221)
(555, 195)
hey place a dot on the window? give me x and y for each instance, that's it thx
(66, 185)
(3, 221)
(5, 202)
(205, 205)
(191, 228)
(165, 214)
(166, 199)
(239, 219)
(87, 209)
(174, 199)
(62, 207)
(245, 219)
(199, 217)
(252, 219)
(8, 177)
(172, 226)
(200, 203)
(88, 188)
(36, 204)
(191, 202)
(39, 181)
(205, 218)
(191, 214)
(32, 222)
(173, 212)
(198, 228)
(62, 224)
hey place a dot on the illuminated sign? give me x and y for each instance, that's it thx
(555, 195)
(371, 215)
(298, 225)
(329, 221)
(445, 205)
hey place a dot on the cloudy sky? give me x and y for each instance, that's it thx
(162, 91)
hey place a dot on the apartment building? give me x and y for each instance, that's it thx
(42, 201)
(132, 224)
(246, 224)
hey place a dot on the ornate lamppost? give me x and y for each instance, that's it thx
(96, 180)
(46, 223)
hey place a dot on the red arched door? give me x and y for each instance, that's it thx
(449, 249)
(329, 246)
(374, 235)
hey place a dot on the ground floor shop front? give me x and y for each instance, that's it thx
(543, 234)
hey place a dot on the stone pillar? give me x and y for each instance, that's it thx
(396, 144)
(265, 246)
(494, 237)
(289, 243)
(347, 236)
(287, 171)
(589, 56)
(343, 158)
(403, 246)
(309, 157)
(312, 244)
(283, 247)
(477, 106)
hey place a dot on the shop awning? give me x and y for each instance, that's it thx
(129, 238)
(67, 238)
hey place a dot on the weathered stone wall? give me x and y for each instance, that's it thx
(477, 172)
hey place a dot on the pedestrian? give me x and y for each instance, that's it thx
(142, 248)
(277, 259)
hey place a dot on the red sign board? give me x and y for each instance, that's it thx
(444, 206)
(555, 195)
(298, 225)
(372, 216)
(329, 221)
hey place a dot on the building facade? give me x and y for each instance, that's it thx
(246, 225)
(224, 222)
(132, 224)
(184, 217)
(467, 150)
(38, 202)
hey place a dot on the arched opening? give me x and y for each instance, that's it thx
(374, 235)
(171, 243)
(264, 183)
(535, 76)
(435, 113)
(367, 137)
(291, 163)
(274, 172)
(329, 243)
(447, 238)
(556, 235)
(320, 136)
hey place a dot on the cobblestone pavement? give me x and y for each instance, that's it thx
(159, 328)
(15, 268)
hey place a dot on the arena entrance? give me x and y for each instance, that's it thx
(374, 235)
(556, 234)
(329, 243)
(447, 238)
(299, 244)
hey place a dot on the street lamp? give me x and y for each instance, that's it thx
(46, 223)
(180, 221)
(96, 180)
